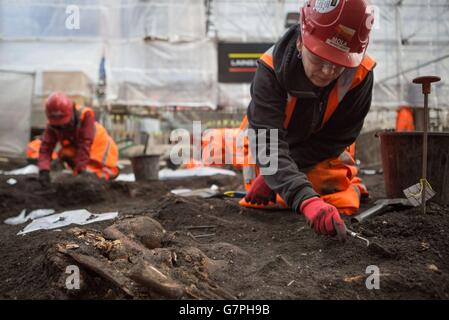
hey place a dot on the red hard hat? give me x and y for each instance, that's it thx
(337, 30)
(59, 109)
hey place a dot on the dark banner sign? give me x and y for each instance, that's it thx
(237, 62)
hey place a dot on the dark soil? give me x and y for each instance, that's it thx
(268, 254)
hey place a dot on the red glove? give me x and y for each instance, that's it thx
(260, 193)
(323, 217)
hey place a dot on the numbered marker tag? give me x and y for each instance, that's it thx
(414, 193)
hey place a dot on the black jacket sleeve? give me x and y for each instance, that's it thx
(266, 111)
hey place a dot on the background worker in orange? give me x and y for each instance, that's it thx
(315, 86)
(404, 119)
(86, 146)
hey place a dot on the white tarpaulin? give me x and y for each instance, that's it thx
(59, 220)
(160, 73)
(16, 91)
(42, 56)
(172, 20)
(55, 36)
(409, 39)
(250, 20)
(23, 217)
(67, 35)
(29, 169)
(168, 174)
(235, 95)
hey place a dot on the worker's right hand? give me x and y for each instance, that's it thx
(323, 217)
(260, 192)
(44, 178)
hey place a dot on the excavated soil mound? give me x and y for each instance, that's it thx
(212, 248)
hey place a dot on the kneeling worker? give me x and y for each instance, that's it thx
(315, 87)
(86, 147)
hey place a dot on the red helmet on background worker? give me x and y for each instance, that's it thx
(337, 30)
(59, 109)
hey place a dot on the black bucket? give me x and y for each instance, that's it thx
(146, 167)
(402, 162)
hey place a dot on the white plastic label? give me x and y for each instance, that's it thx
(325, 6)
(338, 43)
(414, 193)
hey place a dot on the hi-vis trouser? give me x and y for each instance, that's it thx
(334, 179)
(103, 152)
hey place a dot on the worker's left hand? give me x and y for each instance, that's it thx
(323, 217)
(260, 192)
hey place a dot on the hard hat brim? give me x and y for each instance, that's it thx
(59, 121)
(332, 54)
